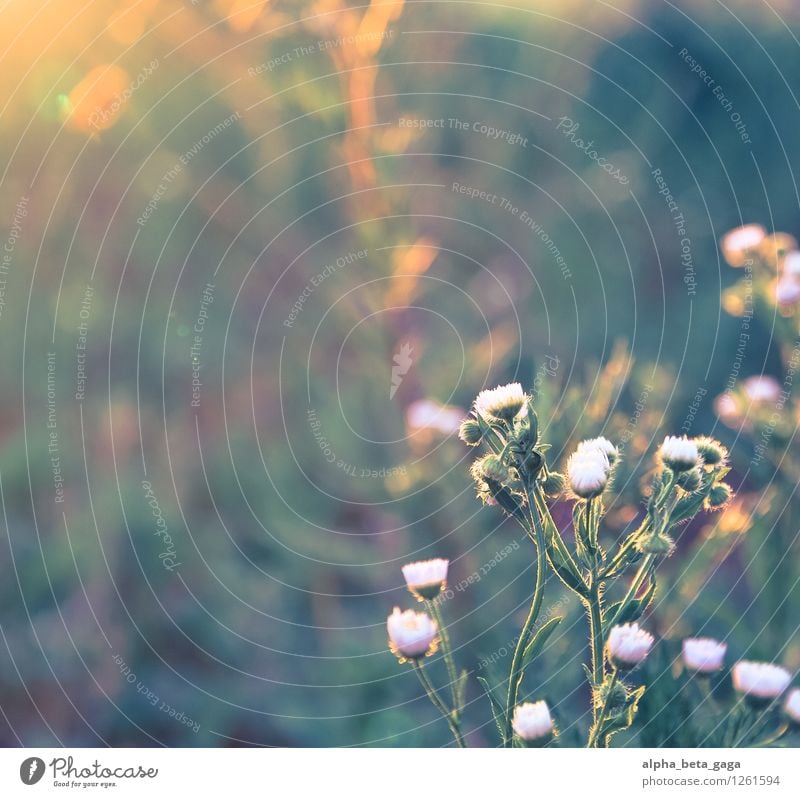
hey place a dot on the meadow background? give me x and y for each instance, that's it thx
(259, 196)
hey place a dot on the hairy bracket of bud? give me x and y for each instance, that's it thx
(470, 432)
(553, 484)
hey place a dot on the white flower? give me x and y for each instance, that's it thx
(600, 444)
(504, 401)
(762, 388)
(760, 680)
(532, 722)
(426, 579)
(679, 453)
(588, 472)
(792, 706)
(738, 242)
(727, 407)
(791, 264)
(787, 291)
(412, 635)
(703, 655)
(628, 645)
(427, 414)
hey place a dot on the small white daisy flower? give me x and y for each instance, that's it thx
(505, 401)
(787, 291)
(703, 655)
(679, 453)
(628, 645)
(600, 444)
(762, 388)
(426, 579)
(412, 635)
(792, 706)
(587, 472)
(737, 243)
(760, 680)
(532, 723)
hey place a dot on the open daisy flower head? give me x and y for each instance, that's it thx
(412, 635)
(679, 453)
(533, 724)
(703, 655)
(759, 681)
(588, 472)
(600, 444)
(791, 707)
(762, 388)
(628, 645)
(739, 243)
(504, 402)
(426, 579)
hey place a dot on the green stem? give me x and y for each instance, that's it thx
(536, 604)
(596, 634)
(777, 736)
(447, 652)
(452, 722)
(597, 727)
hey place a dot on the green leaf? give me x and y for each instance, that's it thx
(498, 712)
(534, 647)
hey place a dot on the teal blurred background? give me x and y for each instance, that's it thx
(227, 222)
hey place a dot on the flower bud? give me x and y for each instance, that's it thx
(657, 544)
(426, 579)
(791, 708)
(412, 635)
(470, 432)
(787, 291)
(711, 451)
(718, 496)
(504, 402)
(533, 724)
(679, 453)
(492, 468)
(703, 655)
(628, 645)
(760, 682)
(762, 388)
(553, 485)
(689, 480)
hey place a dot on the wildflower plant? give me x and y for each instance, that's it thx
(514, 476)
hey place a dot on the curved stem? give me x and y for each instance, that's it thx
(452, 722)
(597, 727)
(536, 604)
(447, 652)
(596, 634)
